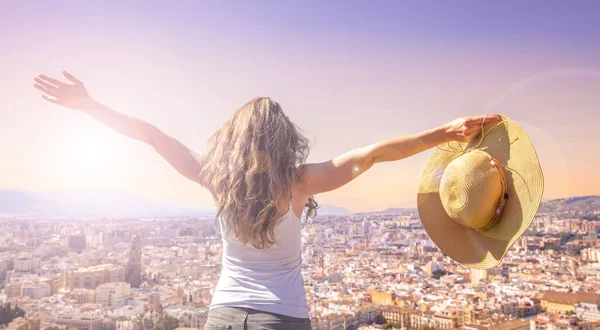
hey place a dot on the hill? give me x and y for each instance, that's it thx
(325, 209)
(399, 210)
(87, 204)
(115, 204)
(15, 202)
(583, 204)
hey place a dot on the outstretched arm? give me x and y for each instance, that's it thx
(326, 176)
(75, 96)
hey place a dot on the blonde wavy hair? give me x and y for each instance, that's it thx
(251, 163)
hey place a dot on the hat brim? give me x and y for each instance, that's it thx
(511, 146)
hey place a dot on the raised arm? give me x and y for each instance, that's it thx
(75, 96)
(326, 176)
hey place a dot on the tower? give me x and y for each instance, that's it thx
(315, 291)
(133, 270)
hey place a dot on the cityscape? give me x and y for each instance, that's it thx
(375, 270)
(116, 115)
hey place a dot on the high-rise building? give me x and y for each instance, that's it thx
(3, 269)
(133, 270)
(192, 251)
(477, 275)
(76, 242)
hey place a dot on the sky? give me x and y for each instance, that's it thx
(349, 73)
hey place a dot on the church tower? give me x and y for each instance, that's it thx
(133, 270)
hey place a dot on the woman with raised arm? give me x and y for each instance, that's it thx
(254, 166)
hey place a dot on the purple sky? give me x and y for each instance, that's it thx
(349, 73)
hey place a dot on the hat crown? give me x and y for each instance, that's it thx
(470, 189)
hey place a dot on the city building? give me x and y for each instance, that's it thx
(547, 322)
(26, 263)
(81, 296)
(76, 242)
(189, 317)
(92, 277)
(477, 275)
(112, 294)
(35, 290)
(133, 270)
(79, 321)
(13, 289)
(554, 302)
(397, 315)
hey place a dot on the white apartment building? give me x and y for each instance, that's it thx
(82, 296)
(111, 294)
(35, 290)
(26, 264)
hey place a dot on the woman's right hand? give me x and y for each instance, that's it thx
(465, 129)
(73, 95)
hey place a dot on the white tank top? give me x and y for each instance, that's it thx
(268, 280)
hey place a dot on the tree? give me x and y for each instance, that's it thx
(437, 274)
(168, 323)
(424, 327)
(8, 314)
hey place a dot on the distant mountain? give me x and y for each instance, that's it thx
(87, 204)
(399, 210)
(102, 204)
(113, 204)
(325, 209)
(584, 204)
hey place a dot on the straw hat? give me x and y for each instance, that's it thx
(475, 199)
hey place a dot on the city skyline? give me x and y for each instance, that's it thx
(399, 68)
(99, 232)
(106, 204)
(362, 271)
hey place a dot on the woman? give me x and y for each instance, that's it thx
(254, 166)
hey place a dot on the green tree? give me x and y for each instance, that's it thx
(437, 274)
(168, 323)
(8, 314)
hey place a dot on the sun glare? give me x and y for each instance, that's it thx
(92, 149)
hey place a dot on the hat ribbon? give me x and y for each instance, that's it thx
(503, 198)
(494, 162)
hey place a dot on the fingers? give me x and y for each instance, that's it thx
(475, 125)
(483, 119)
(71, 78)
(471, 137)
(45, 84)
(44, 89)
(475, 129)
(50, 99)
(473, 132)
(490, 118)
(53, 81)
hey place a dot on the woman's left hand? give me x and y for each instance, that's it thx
(465, 129)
